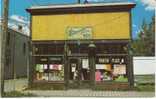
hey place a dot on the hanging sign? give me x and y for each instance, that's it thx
(79, 33)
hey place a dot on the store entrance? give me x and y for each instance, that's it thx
(79, 72)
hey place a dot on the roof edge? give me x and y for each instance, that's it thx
(80, 7)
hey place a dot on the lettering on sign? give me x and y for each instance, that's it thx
(103, 60)
(55, 59)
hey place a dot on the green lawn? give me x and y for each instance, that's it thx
(145, 82)
(146, 87)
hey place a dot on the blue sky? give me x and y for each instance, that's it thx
(143, 9)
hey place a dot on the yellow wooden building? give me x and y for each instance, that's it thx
(82, 45)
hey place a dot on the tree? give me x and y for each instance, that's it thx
(144, 45)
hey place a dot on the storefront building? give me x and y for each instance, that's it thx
(82, 45)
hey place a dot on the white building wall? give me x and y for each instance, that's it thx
(144, 65)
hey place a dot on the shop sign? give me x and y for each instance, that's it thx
(79, 33)
(43, 59)
(103, 60)
(55, 59)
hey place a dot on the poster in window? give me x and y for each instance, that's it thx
(104, 66)
(85, 63)
(45, 66)
(107, 67)
(39, 67)
(73, 69)
(54, 66)
(100, 66)
(119, 69)
(50, 66)
(59, 67)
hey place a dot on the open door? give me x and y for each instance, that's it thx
(79, 73)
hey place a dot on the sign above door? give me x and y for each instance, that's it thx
(76, 33)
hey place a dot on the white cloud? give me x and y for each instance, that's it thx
(18, 18)
(149, 4)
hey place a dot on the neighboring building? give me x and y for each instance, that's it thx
(82, 45)
(17, 54)
(144, 65)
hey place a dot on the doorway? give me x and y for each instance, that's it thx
(79, 72)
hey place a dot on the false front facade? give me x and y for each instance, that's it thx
(82, 45)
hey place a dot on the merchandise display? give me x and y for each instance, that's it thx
(98, 75)
(39, 67)
(55, 72)
(119, 69)
(116, 70)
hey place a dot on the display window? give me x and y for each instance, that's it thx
(110, 69)
(56, 72)
(49, 69)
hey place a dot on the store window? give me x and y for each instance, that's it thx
(56, 69)
(49, 69)
(110, 69)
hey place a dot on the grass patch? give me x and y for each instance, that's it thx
(145, 83)
(17, 94)
(145, 87)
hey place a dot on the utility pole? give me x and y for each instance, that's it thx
(3, 36)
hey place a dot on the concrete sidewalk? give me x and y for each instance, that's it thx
(89, 93)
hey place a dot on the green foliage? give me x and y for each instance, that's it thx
(121, 79)
(144, 45)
